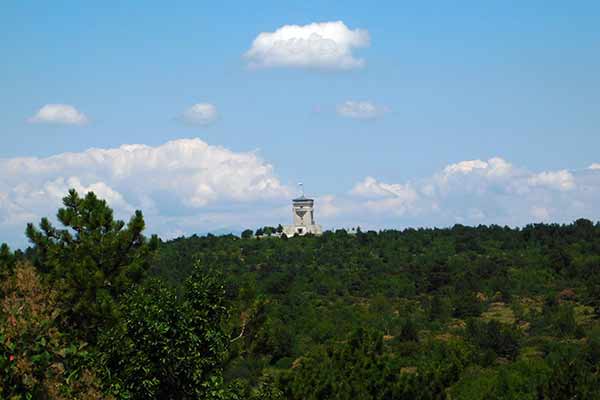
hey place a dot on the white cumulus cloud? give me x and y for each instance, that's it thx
(478, 191)
(200, 114)
(183, 185)
(187, 186)
(494, 167)
(360, 110)
(594, 166)
(63, 114)
(540, 214)
(325, 45)
(370, 187)
(327, 207)
(394, 198)
(560, 180)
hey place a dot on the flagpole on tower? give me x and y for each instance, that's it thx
(301, 187)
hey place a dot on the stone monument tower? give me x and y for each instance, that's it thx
(304, 217)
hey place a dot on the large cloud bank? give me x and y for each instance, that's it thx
(188, 186)
(182, 185)
(324, 45)
(478, 192)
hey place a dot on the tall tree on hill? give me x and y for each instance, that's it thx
(93, 260)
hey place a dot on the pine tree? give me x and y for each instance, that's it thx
(93, 260)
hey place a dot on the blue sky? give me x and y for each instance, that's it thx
(452, 83)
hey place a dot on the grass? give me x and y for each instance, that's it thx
(500, 312)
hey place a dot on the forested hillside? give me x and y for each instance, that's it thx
(473, 313)
(94, 309)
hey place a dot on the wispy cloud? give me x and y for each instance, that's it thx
(200, 114)
(63, 114)
(360, 110)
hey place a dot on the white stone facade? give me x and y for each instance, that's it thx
(304, 218)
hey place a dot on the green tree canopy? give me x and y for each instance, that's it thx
(93, 259)
(168, 346)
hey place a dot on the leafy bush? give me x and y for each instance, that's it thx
(36, 359)
(494, 336)
(166, 346)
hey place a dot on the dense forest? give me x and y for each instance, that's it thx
(95, 309)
